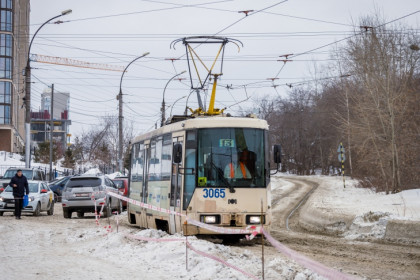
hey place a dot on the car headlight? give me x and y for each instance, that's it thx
(255, 219)
(31, 198)
(209, 219)
(1, 198)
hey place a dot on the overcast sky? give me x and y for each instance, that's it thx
(116, 32)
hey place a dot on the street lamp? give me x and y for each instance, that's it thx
(120, 116)
(28, 93)
(162, 122)
(173, 105)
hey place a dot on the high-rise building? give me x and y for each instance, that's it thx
(41, 121)
(14, 41)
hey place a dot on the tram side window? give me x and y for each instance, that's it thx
(166, 159)
(137, 163)
(155, 166)
(190, 164)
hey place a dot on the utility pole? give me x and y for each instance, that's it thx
(120, 130)
(121, 118)
(51, 130)
(28, 93)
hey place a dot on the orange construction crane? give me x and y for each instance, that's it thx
(74, 63)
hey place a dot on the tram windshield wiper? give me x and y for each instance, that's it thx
(222, 175)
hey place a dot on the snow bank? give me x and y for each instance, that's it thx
(166, 260)
(93, 171)
(358, 213)
(113, 175)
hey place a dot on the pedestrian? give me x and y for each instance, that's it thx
(20, 186)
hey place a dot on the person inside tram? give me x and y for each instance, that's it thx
(238, 170)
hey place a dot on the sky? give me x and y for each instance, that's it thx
(117, 32)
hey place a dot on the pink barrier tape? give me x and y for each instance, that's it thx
(141, 238)
(221, 261)
(255, 230)
(305, 261)
(194, 222)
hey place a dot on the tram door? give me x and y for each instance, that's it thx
(175, 195)
(145, 192)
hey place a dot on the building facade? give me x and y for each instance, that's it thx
(14, 41)
(41, 121)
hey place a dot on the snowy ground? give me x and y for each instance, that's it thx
(52, 247)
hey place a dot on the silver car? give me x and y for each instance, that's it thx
(41, 198)
(77, 196)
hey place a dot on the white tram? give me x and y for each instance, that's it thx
(215, 169)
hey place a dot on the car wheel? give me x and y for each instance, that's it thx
(1, 213)
(57, 197)
(66, 214)
(51, 210)
(37, 209)
(80, 214)
(107, 209)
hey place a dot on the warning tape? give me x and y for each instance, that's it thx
(305, 261)
(142, 238)
(253, 231)
(221, 261)
(190, 221)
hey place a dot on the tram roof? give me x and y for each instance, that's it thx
(205, 122)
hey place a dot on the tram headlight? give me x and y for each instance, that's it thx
(253, 220)
(209, 219)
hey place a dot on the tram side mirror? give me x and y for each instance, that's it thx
(177, 153)
(277, 154)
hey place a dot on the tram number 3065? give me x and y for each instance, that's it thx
(210, 193)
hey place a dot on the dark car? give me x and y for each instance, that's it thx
(122, 185)
(57, 187)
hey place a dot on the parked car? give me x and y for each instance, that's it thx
(41, 198)
(57, 187)
(30, 174)
(122, 185)
(78, 191)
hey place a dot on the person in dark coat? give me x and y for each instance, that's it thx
(19, 184)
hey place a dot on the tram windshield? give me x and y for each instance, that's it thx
(231, 157)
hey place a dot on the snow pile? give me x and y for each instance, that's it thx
(93, 171)
(115, 174)
(359, 201)
(358, 213)
(369, 225)
(166, 260)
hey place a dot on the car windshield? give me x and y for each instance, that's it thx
(119, 183)
(231, 157)
(33, 188)
(11, 173)
(83, 182)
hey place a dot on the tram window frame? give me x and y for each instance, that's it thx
(267, 157)
(166, 155)
(190, 162)
(155, 159)
(136, 162)
(259, 178)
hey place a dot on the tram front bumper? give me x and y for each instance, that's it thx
(195, 230)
